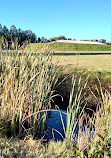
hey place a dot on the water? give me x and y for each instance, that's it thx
(55, 125)
(55, 128)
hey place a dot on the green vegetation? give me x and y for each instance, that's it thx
(73, 108)
(13, 38)
(70, 47)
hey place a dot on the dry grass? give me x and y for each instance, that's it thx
(29, 148)
(25, 90)
(95, 139)
(89, 62)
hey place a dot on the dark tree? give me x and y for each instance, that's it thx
(39, 40)
(61, 38)
(14, 39)
(5, 30)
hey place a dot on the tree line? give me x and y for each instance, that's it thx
(14, 38)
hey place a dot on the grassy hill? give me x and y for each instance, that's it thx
(66, 47)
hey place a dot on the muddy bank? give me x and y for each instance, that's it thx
(91, 95)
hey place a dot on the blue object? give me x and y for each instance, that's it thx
(56, 126)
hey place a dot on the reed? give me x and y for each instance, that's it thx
(74, 105)
(95, 140)
(26, 85)
(100, 143)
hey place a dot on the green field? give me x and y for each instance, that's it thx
(66, 47)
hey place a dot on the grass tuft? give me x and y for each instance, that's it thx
(26, 85)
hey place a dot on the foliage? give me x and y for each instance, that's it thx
(73, 108)
(94, 136)
(57, 38)
(95, 140)
(100, 143)
(14, 39)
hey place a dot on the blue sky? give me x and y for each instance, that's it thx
(77, 19)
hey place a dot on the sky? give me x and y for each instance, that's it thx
(76, 19)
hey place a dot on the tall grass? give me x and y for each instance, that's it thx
(25, 89)
(100, 143)
(95, 140)
(26, 92)
(94, 136)
(73, 108)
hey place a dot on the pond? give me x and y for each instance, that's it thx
(56, 121)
